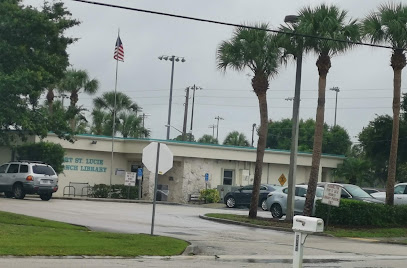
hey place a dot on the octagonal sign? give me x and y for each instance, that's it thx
(150, 158)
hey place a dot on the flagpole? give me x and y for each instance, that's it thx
(114, 117)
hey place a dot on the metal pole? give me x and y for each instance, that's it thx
(336, 105)
(192, 113)
(254, 125)
(294, 142)
(114, 120)
(298, 251)
(184, 128)
(170, 101)
(155, 188)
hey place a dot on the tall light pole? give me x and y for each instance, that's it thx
(254, 125)
(336, 89)
(184, 127)
(292, 19)
(217, 126)
(193, 88)
(173, 59)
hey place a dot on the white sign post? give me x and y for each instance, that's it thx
(332, 197)
(130, 179)
(158, 159)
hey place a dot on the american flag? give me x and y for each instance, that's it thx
(118, 50)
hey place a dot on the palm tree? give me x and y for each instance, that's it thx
(209, 139)
(106, 103)
(131, 126)
(236, 138)
(389, 26)
(73, 82)
(330, 22)
(99, 117)
(258, 51)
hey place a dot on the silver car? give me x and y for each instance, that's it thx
(19, 178)
(277, 200)
(400, 194)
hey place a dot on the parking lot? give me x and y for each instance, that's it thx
(228, 243)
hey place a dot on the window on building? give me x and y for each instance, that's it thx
(227, 177)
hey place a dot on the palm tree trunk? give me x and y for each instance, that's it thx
(398, 61)
(50, 99)
(261, 146)
(323, 64)
(74, 100)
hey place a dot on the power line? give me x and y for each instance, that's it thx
(235, 25)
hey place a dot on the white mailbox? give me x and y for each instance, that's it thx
(305, 224)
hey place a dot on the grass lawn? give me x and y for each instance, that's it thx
(338, 231)
(28, 236)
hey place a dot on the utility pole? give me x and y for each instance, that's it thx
(213, 129)
(194, 88)
(217, 126)
(336, 89)
(254, 125)
(144, 115)
(184, 128)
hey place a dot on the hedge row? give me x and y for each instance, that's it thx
(358, 213)
(117, 191)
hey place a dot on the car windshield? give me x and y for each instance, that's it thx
(319, 192)
(46, 170)
(356, 191)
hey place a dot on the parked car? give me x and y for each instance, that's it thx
(371, 190)
(400, 194)
(18, 178)
(350, 191)
(277, 200)
(243, 196)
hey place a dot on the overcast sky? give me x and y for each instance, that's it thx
(363, 75)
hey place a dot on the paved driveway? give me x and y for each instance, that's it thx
(229, 242)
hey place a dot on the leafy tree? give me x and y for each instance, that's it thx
(48, 152)
(209, 139)
(336, 140)
(189, 137)
(258, 51)
(73, 82)
(326, 21)
(353, 169)
(236, 138)
(33, 57)
(389, 26)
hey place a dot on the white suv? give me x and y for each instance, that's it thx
(18, 178)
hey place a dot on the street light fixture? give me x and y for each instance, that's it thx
(336, 89)
(168, 126)
(173, 59)
(293, 19)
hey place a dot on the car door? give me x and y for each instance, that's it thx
(246, 195)
(300, 194)
(400, 194)
(3, 178)
(12, 173)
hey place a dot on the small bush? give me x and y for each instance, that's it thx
(209, 195)
(359, 213)
(117, 191)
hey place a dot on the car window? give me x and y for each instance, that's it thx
(13, 168)
(23, 168)
(319, 192)
(344, 194)
(263, 188)
(285, 190)
(248, 188)
(299, 191)
(3, 168)
(399, 189)
(46, 170)
(356, 191)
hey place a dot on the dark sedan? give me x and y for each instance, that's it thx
(243, 196)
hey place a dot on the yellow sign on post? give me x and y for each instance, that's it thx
(282, 179)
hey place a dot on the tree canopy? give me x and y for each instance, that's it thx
(33, 57)
(236, 138)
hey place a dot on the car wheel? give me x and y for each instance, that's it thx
(230, 202)
(18, 191)
(45, 197)
(264, 204)
(9, 194)
(276, 211)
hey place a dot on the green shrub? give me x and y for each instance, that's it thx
(209, 195)
(117, 191)
(359, 213)
(48, 152)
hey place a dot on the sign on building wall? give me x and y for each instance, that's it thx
(84, 164)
